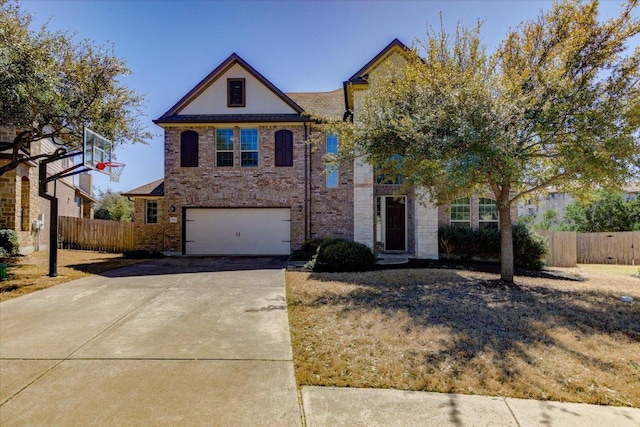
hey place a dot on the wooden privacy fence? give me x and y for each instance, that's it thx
(567, 248)
(95, 234)
(609, 248)
(562, 248)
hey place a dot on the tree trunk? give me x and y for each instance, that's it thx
(506, 242)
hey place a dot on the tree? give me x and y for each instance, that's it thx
(557, 104)
(114, 206)
(52, 86)
(608, 212)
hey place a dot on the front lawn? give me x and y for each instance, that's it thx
(462, 332)
(30, 273)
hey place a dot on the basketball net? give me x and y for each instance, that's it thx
(115, 169)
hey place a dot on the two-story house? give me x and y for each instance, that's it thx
(241, 176)
(23, 210)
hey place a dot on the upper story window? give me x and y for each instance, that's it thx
(331, 167)
(189, 149)
(235, 93)
(249, 147)
(487, 213)
(394, 162)
(284, 148)
(151, 211)
(224, 147)
(461, 212)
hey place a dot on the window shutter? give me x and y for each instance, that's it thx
(284, 148)
(189, 149)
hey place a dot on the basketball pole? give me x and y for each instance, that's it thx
(59, 154)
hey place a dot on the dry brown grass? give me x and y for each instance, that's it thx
(462, 332)
(30, 273)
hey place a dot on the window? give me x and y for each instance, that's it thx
(487, 213)
(189, 149)
(249, 147)
(331, 167)
(151, 212)
(224, 147)
(284, 148)
(461, 212)
(395, 162)
(235, 93)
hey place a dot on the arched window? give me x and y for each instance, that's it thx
(487, 213)
(284, 148)
(189, 149)
(461, 212)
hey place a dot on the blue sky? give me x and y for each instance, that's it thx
(300, 46)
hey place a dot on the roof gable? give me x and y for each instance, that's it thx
(155, 188)
(396, 46)
(209, 97)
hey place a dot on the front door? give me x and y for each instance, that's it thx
(395, 233)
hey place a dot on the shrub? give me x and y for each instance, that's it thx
(3, 253)
(528, 248)
(467, 243)
(343, 255)
(484, 243)
(307, 251)
(9, 242)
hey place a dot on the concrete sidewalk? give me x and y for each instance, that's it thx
(329, 406)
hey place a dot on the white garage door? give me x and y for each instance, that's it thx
(238, 231)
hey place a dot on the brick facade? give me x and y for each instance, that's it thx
(209, 186)
(331, 209)
(149, 236)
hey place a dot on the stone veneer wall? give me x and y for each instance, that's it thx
(211, 186)
(331, 208)
(12, 201)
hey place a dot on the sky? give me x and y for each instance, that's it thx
(299, 46)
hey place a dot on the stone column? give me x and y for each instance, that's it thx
(426, 226)
(363, 203)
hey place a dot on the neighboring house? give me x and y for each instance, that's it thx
(22, 207)
(241, 177)
(557, 202)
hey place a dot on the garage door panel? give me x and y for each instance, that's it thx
(251, 231)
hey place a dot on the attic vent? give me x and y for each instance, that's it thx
(235, 93)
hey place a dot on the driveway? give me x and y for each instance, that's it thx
(178, 341)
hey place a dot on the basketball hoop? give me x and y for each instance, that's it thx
(115, 169)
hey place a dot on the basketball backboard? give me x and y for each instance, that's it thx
(96, 150)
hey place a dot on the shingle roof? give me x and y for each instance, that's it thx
(155, 188)
(231, 118)
(325, 104)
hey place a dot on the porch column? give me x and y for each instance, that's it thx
(363, 203)
(426, 226)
